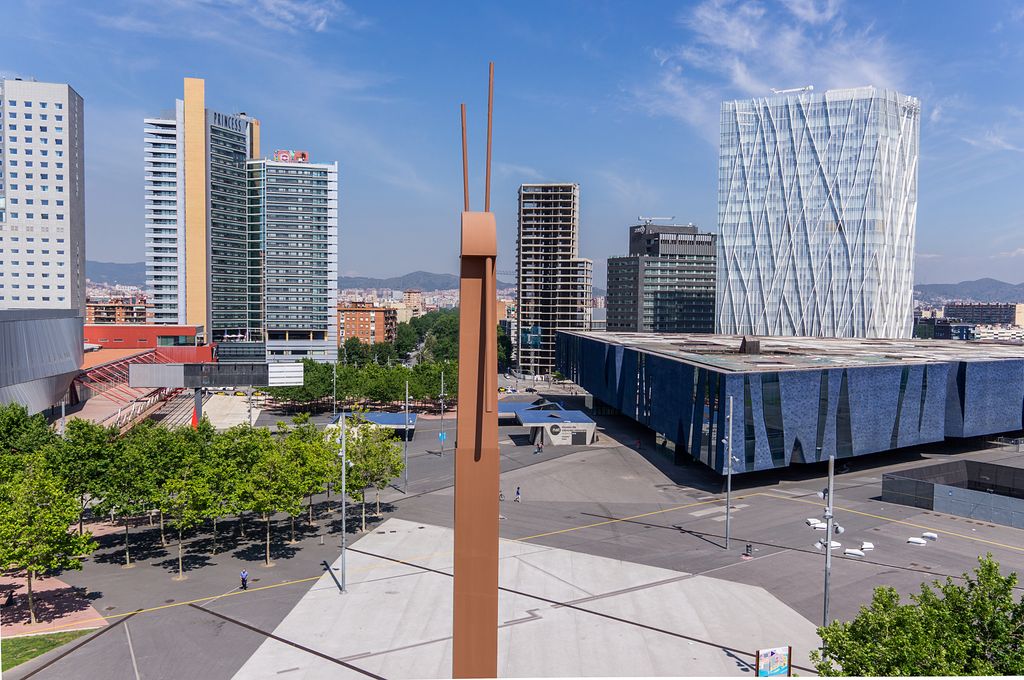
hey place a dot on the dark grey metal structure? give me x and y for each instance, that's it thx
(40, 354)
(966, 488)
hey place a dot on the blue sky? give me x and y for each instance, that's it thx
(621, 97)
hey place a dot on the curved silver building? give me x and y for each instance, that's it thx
(40, 354)
(817, 207)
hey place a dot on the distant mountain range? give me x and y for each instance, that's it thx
(424, 281)
(134, 274)
(981, 290)
(126, 273)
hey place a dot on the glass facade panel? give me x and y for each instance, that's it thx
(817, 208)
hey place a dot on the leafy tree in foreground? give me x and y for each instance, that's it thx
(186, 494)
(35, 513)
(272, 484)
(383, 459)
(82, 458)
(973, 628)
(127, 488)
(20, 434)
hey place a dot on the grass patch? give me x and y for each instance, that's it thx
(16, 651)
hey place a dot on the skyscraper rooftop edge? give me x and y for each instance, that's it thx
(835, 94)
(723, 352)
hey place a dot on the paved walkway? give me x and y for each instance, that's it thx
(561, 613)
(55, 602)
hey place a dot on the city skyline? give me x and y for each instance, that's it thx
(632, 116)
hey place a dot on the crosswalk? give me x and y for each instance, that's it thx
(718, 511)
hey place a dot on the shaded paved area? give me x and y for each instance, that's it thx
(561, 613)
(55, 601)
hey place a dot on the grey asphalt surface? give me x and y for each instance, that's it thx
(658, 514)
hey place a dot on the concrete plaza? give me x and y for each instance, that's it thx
(561, 613)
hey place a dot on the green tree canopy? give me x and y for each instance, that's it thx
(82, 458)
(186, 495)
(129, 484)
(35, 513)
(20, 433)
(406, 339)
(273, 483)
(970, 628)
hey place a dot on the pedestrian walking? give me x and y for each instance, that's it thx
(244, 576)
(516, 500)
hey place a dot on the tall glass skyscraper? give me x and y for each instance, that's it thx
(817, 207)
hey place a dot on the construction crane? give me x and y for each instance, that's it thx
(648, 220)
(792, 90)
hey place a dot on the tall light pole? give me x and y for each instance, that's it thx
(344, 503)
(441, 396)
(406, 469)
(334, 383)
(829, 527)
(728, 477)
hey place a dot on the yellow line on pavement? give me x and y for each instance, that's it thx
(210, 598)
(899, 521)
(169, 606)
(631, 517)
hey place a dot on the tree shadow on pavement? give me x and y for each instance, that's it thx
(50, 605)
(257, 551)
(144, 545)
(190, 561)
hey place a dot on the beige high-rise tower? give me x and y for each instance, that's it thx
(196, 221)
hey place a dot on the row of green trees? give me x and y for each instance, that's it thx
(186, 476)
(376, 372)
(370, 382)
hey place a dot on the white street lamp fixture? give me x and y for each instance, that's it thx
(853, 552)
(865, 546)
(811, 521)
(930, 535)
(914, 540)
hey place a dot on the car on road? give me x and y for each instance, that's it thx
(530, 389)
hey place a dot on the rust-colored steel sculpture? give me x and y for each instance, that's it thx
(475, 623)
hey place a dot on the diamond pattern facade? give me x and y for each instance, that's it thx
(817, 207)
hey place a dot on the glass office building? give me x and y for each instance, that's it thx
(293, 219)
(817, 207)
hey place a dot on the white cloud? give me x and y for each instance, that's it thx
(223, 19)
(513, 171)
(1019, 252)
(813, 11)
(740, 48)
(633, 193)
(993, 140)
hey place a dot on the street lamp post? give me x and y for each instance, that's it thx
(334, 383)
(829, 527)
(344, 503)
(406, 443)
(441, 397)
(728, 477)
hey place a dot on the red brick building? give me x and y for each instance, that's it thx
(366, 322)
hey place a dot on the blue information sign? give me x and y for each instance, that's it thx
(442, 436)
